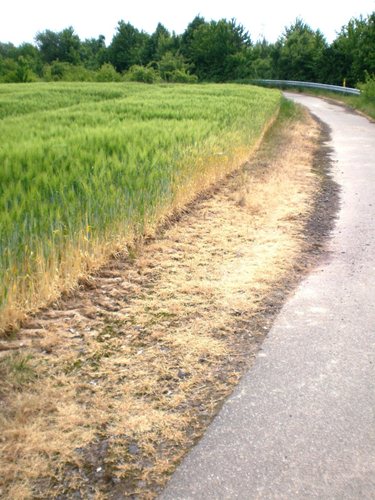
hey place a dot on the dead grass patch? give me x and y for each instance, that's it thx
(129, 369)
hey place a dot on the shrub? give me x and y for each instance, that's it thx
(368, 88)
(142, 74)
(107, 73)
(18, 71)
(181, 76)
(63, 71)
(173, 68)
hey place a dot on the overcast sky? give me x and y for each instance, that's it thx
(20, 20)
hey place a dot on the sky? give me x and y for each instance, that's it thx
(20, 20)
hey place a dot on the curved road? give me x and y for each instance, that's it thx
(301, 424)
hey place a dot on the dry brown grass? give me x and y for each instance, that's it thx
(127, 371)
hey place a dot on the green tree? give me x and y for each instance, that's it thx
(159, 43)
(364, 62)
(216, 50)
(128, 47)
(93, 52)
(19, 64)
(299, 53)
(48, 45)
(262, 65)
(188, 36)
(63, 46)
(8, 51)
(352, 54)
(8, 68)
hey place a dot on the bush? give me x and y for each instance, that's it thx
(141, 74)
(16, 71)
(63, 71)
(368, 88)
(181, 76)
(107, 73)
(173, 68)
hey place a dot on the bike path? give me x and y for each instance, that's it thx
(301, 424)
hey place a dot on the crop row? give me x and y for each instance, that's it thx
(86, 166)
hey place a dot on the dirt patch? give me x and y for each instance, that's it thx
(115, 382)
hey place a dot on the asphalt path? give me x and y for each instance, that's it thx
(301, 424)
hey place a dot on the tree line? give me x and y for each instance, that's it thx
(215, 51)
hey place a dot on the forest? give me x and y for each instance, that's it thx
(207, 51)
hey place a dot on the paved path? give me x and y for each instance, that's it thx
(301, 424)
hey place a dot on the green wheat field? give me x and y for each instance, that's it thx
(86, 167)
